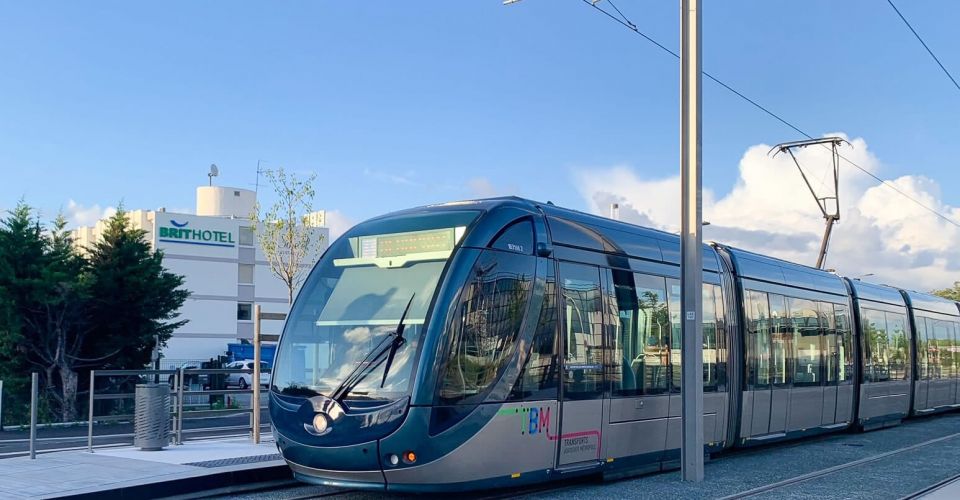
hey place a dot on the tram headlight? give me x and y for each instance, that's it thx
(320, 423)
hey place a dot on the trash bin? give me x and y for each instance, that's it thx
(151, 423)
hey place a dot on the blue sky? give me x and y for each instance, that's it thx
(396, 104)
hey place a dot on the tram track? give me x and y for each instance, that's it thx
(849, 465)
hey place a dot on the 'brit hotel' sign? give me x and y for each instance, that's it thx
(180, 233)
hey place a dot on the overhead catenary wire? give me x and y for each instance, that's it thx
(925, 46)
(633, 27)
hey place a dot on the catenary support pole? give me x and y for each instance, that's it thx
(34, 382)
(691, 285)
(255, 403)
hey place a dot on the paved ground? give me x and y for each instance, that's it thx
(14, 443)
(65, 473)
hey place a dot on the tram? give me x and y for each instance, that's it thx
(502, 342)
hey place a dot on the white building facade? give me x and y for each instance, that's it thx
(227, 274)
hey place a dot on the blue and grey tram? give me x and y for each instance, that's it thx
(502, 342)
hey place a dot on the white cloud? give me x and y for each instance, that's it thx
(79, 215)
(338, 224)
(482, 187)
(770, 210)
(404, 179)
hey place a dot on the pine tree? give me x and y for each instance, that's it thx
(134, 300)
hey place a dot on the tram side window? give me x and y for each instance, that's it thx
(876, 353)
(638, 359)
(720, 309)
(582, 306)
(899, 346)
(517, 238)
(676, 335)
(941, 354)
(540, 374)
(955, 368)
(710, 354)
(805, 324)
(711, 344)
(781, 341)
(486, 324)
(831, 343)
(758, 339)
(923, 346)
(845, 334)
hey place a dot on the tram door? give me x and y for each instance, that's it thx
(581, 418)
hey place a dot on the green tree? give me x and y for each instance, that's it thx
(950, 293)
(21, 253)
(286, 238)
(45, 319)
(133, 299)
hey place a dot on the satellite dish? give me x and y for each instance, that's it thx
(214, 171)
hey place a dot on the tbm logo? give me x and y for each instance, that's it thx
(538, 421)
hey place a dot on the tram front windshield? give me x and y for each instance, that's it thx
(356, 295)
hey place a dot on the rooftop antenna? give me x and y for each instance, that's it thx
(214, 171)
(828, 204)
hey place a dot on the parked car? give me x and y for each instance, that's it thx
(242, 380)
(202, 379)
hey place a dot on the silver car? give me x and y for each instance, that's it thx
(242, 380)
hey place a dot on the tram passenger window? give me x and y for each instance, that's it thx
(899, 346)
(709, 339)
(758, 339)
(955, 367)
(805, 321)
(831, 343)
(923, 345)
(638, 359)
(781, 341)
(485, 326)
(954, 355)
(720, 309)
(845, 334)
(941, 355)
(676, 335)
(583, 331)
(876, 353)
(541, 368)
(517, 238)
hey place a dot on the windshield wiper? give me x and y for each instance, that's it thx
(397, 341)
(372, 360)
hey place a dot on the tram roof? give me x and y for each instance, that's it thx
(877, 293)
(931, 303)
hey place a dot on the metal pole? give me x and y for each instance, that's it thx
(90, 413)
(180, 407)
(34, 382)
(1, 405)
(255, 404)
(691, 285)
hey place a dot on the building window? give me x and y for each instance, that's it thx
(244, 311)
(246, 236)
(245, 274)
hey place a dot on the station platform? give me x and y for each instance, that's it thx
(127, 472)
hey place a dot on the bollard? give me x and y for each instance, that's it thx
(33, 415)
(90, 414)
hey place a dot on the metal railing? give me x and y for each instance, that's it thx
(188, 392)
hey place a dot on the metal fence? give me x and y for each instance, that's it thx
(191, 393)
